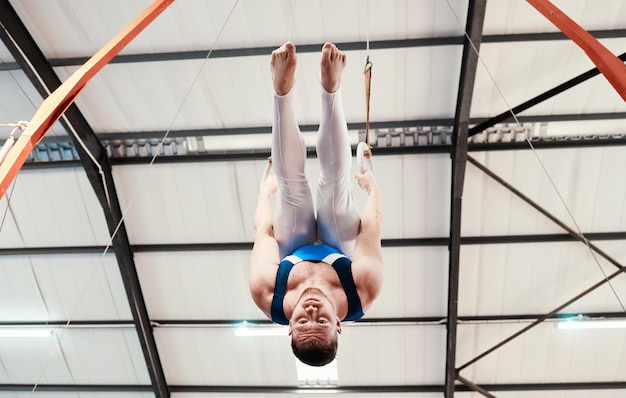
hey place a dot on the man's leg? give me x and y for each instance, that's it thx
(294, 218)
(337, 218)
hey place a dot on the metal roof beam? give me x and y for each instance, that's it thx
(262, 154)
(475, 387)
(395, 321)
(391, 124)
(32, 61)
(471, 45)
(346, 46)
(399, 389)
(229, 246)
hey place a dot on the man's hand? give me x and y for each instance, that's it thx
(366, 180)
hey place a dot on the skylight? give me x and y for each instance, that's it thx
(317, 376)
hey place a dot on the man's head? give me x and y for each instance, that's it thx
(314, 328)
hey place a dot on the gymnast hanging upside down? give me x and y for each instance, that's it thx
(306, 271)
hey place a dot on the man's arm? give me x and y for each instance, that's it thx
(264, 258)
(367, 261)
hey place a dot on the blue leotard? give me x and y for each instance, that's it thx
(324, 253)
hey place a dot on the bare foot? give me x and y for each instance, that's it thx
(331, 66)
(283, 64)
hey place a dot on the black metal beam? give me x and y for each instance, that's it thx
(475, 387)
(262, 154)
(550, 36)
(390, 389)
(151, 135)
(405, 242)
(391, 124)
(566, 117)
(432, 388)
(562, 143)
(32, 61)
(396, 321)
(471, 46)
(346, 46)
(508, 114)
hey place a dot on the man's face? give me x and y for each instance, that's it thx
(314, 318)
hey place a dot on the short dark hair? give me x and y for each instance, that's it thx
(314, 352)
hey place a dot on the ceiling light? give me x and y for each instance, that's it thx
(592, 324)
(247, 329)
(33, 332)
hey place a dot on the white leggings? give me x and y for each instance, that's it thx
(295, 223)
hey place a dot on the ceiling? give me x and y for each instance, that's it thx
(129, 227)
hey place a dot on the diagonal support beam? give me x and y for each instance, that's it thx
(576, 235)
(542, 318)
(474, 30)
(607, 279)
(506, 115)
(475, 387)
(32, 61)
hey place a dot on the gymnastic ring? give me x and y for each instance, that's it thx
(364, 157)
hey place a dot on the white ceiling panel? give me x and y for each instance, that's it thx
(194, 356)
(5, 55)
(535, 279)
(237, 91)
(550, 394)
(74, 356)
(104, 356)
(80, 29)
(581, 128)
(25, 359)
(414, 283)
(196, 26)
(62, 287)
(611, 16)
(214, 285)
(580, 188)
(217, 356)
(20, 104)
(189, 95)
(188, 202)
(21, 297)
(197, 285)
(408, 184)
(312, 394)
(557, 355)
(77, 218)
(412, 355)
(181, 203)
(519, 16)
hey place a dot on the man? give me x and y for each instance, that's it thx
(313, 271)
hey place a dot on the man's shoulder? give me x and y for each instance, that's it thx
(368, 278)
(262, 292)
